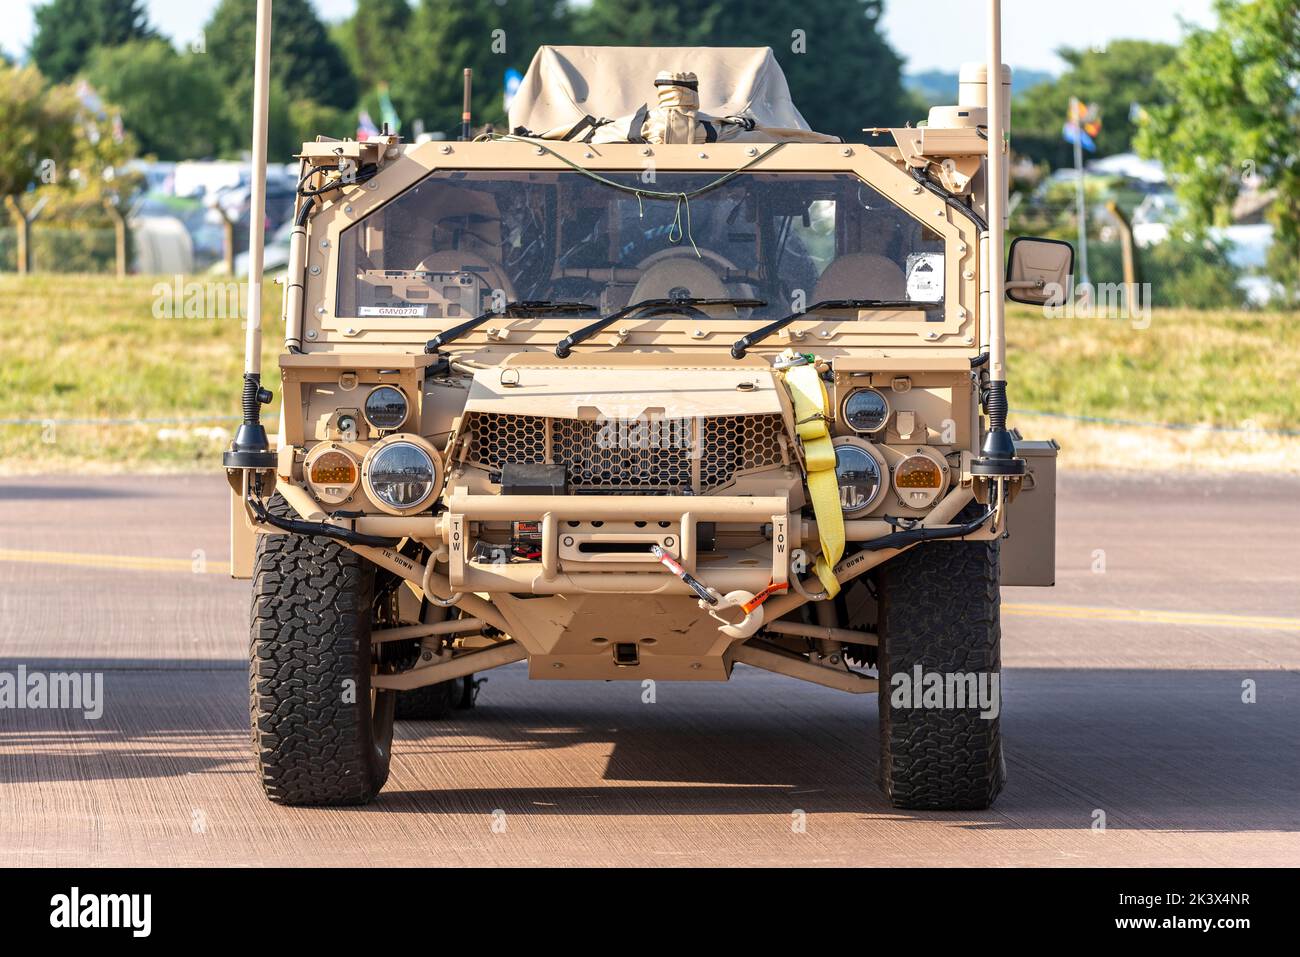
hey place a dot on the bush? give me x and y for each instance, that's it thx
(1283, 268)
(62, 249)
(1191, 273)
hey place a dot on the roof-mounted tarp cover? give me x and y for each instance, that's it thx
(657, 95)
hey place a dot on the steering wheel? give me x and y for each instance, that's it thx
(695, 312)
(657, 275)
(722, 263)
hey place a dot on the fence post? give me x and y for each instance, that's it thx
(119, 235)
(23, 227)
(1128, 252)
(228, 240)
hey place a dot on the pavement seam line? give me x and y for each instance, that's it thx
(1152, 616)
(129, 562)
(1085, 612)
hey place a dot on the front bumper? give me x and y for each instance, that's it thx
(575, 615)
(673, 522)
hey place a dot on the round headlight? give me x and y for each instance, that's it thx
(866, 411)
(331, 473)
(858, 473)
(386, 408)
(400, 476)
(918, 480)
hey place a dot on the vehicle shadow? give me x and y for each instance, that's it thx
(1152, 750)
(1143, 749)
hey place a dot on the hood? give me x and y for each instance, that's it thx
(569, 390)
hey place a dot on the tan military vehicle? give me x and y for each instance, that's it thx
(659, 383)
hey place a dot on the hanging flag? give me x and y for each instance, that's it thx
(1082, 125)
(365, 127)
(89, 99)
(92, 112)
(513, 79)
(387, 111)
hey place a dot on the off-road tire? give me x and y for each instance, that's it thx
(939, 607)
(317, 739)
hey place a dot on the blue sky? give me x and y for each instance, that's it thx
(929, 33)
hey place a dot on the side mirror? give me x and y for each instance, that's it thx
(1039, 271)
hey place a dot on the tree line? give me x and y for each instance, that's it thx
(195, 102)
(843, 74)
(1219, 109)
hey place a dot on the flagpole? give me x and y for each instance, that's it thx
(251, 448)
(997, 458)
(1076, 115)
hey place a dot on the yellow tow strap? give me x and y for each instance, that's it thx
(812, 415)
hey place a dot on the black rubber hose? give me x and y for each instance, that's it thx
(345, 535)
(913, 535)
(995, 404)
(251, 399)
(362, 174)
(950, 200)
(312, 171)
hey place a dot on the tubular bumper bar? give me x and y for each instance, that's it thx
(547, 576)
(562, 569)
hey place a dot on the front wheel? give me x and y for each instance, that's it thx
(321, 734)
(940, 681)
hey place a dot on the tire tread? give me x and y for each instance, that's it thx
(940, 607)
(311, 615)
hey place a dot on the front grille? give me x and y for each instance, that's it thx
(497, 439)
(670, 456)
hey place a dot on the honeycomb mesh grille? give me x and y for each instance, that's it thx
(738, 443)
(673, 456)
(598, 458)
(497, 439)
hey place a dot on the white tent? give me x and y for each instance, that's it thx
(1130, 165)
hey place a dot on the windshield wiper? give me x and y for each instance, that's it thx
(739, 347)
(651, 307)
(522, 307)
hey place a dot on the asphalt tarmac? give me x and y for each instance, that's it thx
(1151, 713)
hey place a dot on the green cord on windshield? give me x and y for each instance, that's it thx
(681, 198)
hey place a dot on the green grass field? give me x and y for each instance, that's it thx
(1193, 367)
(78, 347)
(90, 347)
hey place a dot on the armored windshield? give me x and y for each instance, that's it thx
(461, 242)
